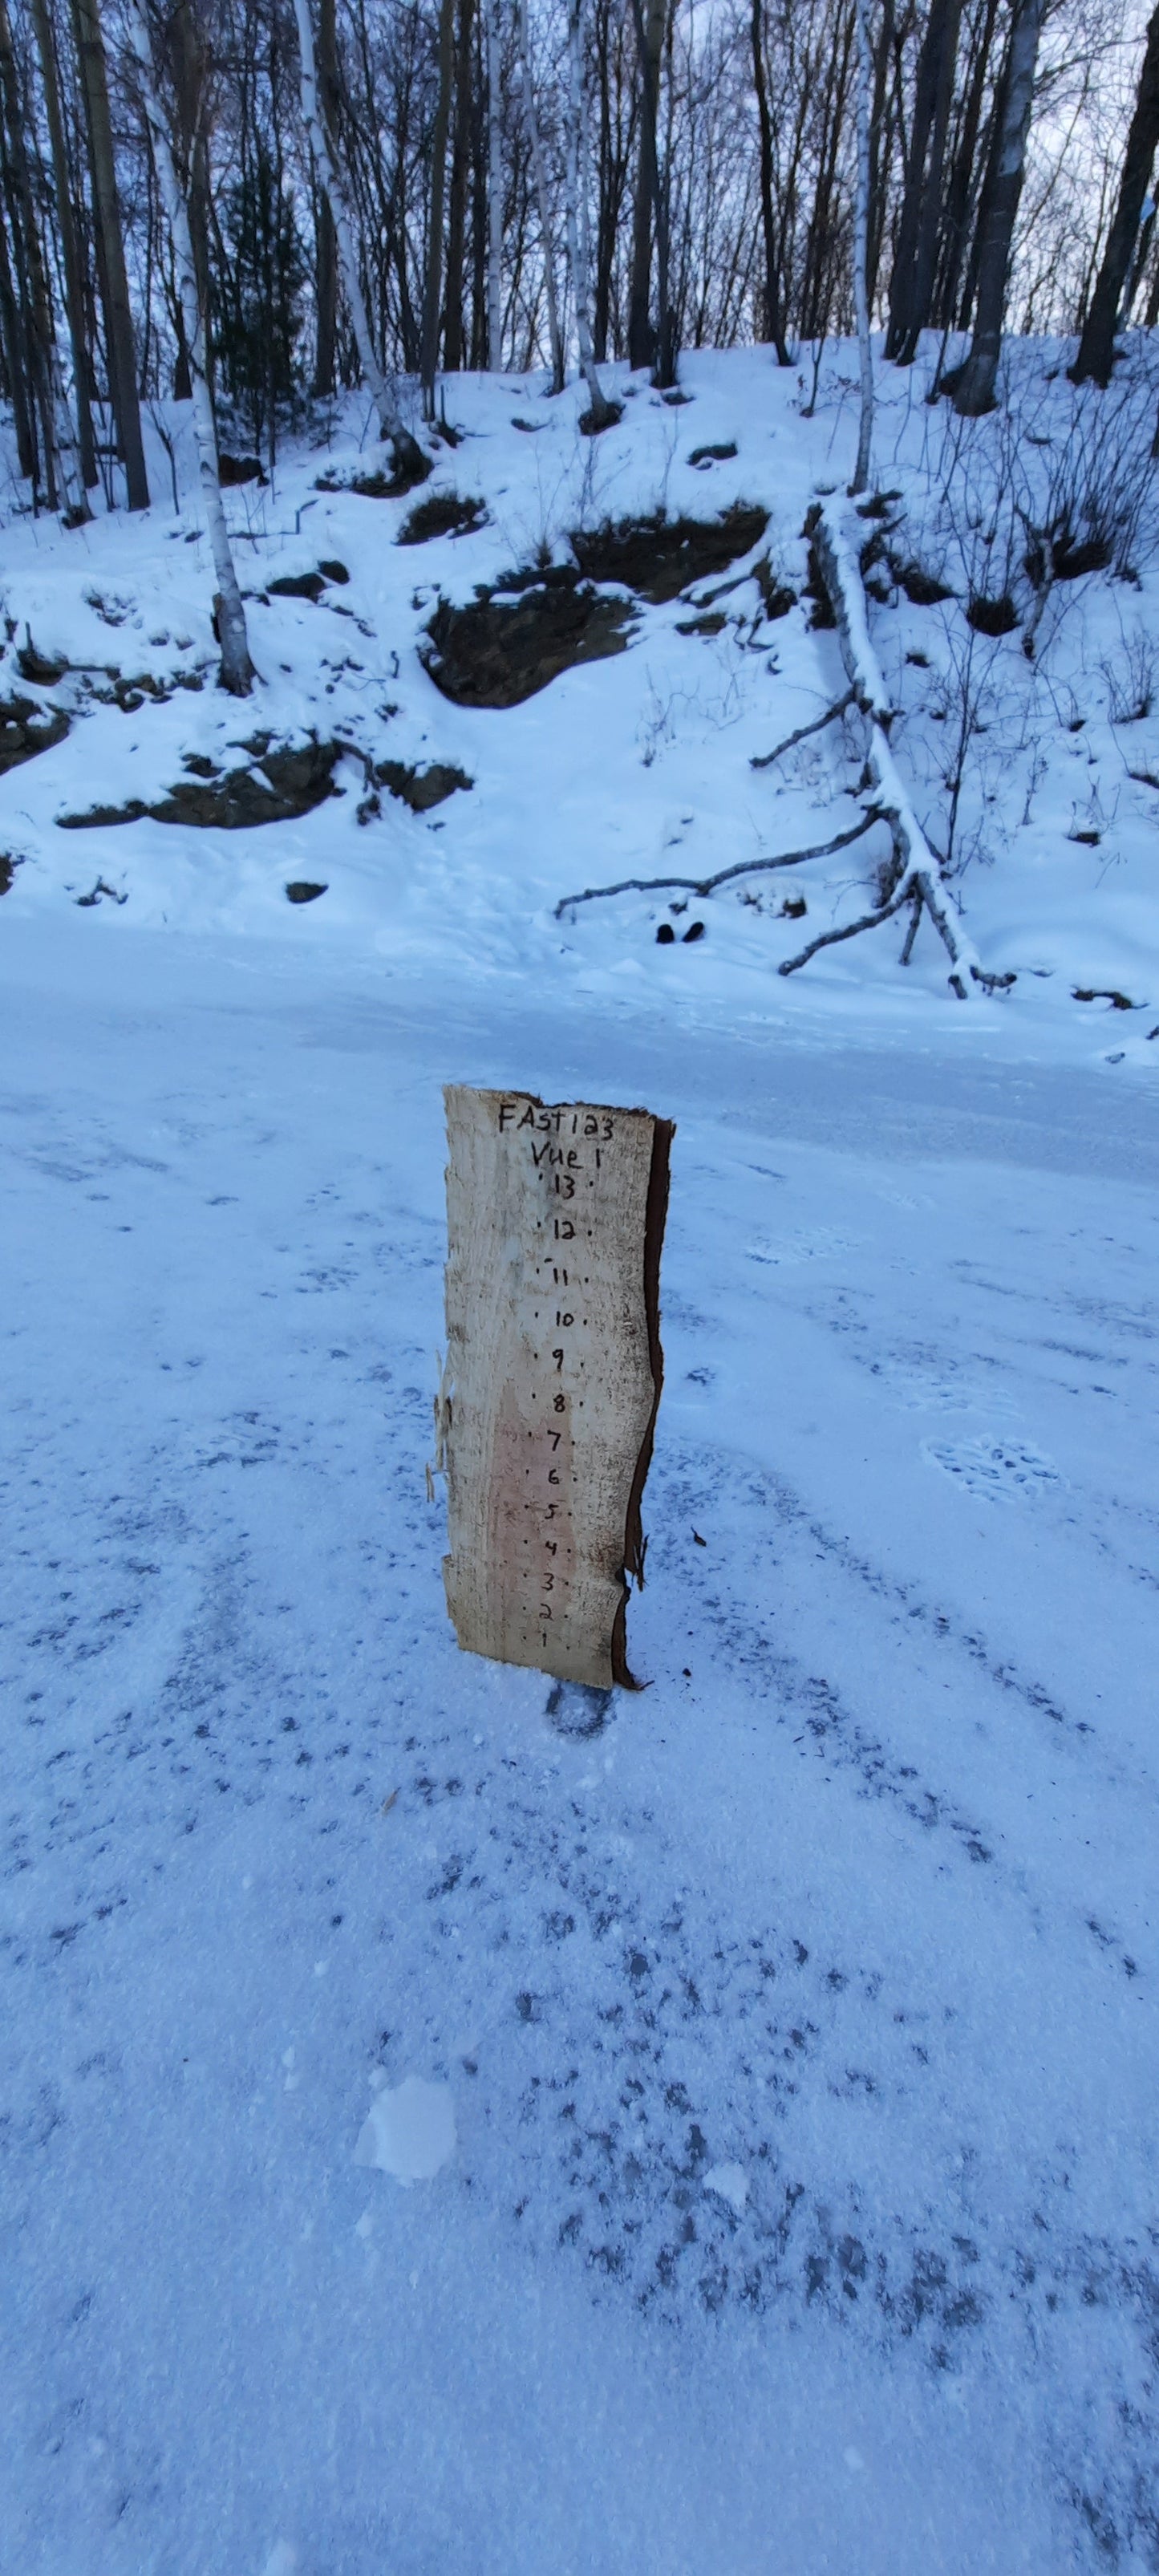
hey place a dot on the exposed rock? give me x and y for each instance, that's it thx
(378, 485)
(282, 785)
(297, 585)
(43, 669)
(8, 868)
(26, 728)
(421, 788)
(512, 640)
(301, 890)
(702, 456)
(442, 514)
(659, 556)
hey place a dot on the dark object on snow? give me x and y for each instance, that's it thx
(298, 585)
(281, 786)
(580, 1710)
(713, 455)
(300, 890)
(992, 616)
(665, 935)
(85, 902)
(659, 556)
(421, 788)
(532, 427)
(709, 624)
(43, 669)
(26, 729)
(442, 514)
(794, 908)
(332, 570)
(511, 641)
(239, 469)
(8, 868)
(695, 930)
(1118, 1001)
(1063, 556)
(590, 422)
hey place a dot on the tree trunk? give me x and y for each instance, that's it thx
(861, 249)
(107, 217)
(664, 371)
(1096, 354)
(915, 258)
(16, 362)
(326, 254)
(69, 245)
(973, 384)
(407, 455)
(494, 193)
(649, 19)
(63, 479)
(535, 147)
(774, 316)
(237, 670)
(432, 293)
(457, 207)
(602, 412)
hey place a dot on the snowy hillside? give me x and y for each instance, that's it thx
(457, 2126)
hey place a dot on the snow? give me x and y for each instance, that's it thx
(409, 2130)
(795, 2016)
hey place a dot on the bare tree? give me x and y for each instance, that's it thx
(1096, 353)
(535, 148)
(237, 670)
(602, 413)
(861, 249)
(494, 191)
(973, 383)
(63, 478)
(69, 244)
(432, 291)
(111, 252)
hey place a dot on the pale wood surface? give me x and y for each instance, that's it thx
(554, 1219)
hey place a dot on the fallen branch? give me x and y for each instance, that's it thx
(831, 938)
(743, 868)
(765, 759)
(917, 871)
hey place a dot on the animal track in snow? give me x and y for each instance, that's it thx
(1007, 1470)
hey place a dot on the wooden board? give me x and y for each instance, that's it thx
(555, 1218)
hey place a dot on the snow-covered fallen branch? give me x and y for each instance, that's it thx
(917, 877)
(742, 868)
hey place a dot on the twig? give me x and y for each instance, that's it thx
(765, 759)
(743, 868)
(830, 938)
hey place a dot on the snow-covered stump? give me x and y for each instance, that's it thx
(917, 879)
(406, 455)
(237, 670)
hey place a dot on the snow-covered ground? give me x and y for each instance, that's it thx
(448, 2126)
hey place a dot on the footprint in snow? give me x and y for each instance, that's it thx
(1007, 1470)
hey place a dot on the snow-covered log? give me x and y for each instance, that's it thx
(917, 876)
(406, 455)
(237, 670)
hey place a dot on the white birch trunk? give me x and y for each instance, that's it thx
(535, 147)
(494, 195)
(861, 248)
(237, 670)
(392, 428)
(601, 409)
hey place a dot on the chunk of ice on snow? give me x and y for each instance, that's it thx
(731, 2182)
(409, 2130)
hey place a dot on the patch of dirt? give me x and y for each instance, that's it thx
(1118, 1001)
(302, 890)
(421, 788)
(239, 469)
(280, 786)
(511, 641)
(992, 616)
(26, 729)
(43, 669)
(657, 556)
(8, 868)
(711, 623)
(307, 585)
(702, 456)
(442, 514)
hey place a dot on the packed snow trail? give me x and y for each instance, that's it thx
(773, 2052)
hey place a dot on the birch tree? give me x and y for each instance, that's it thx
(406, 455)
(111, 251)
(237, 670)
(494, 193)
(535, 149)
(602, 414)
(861, 249)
